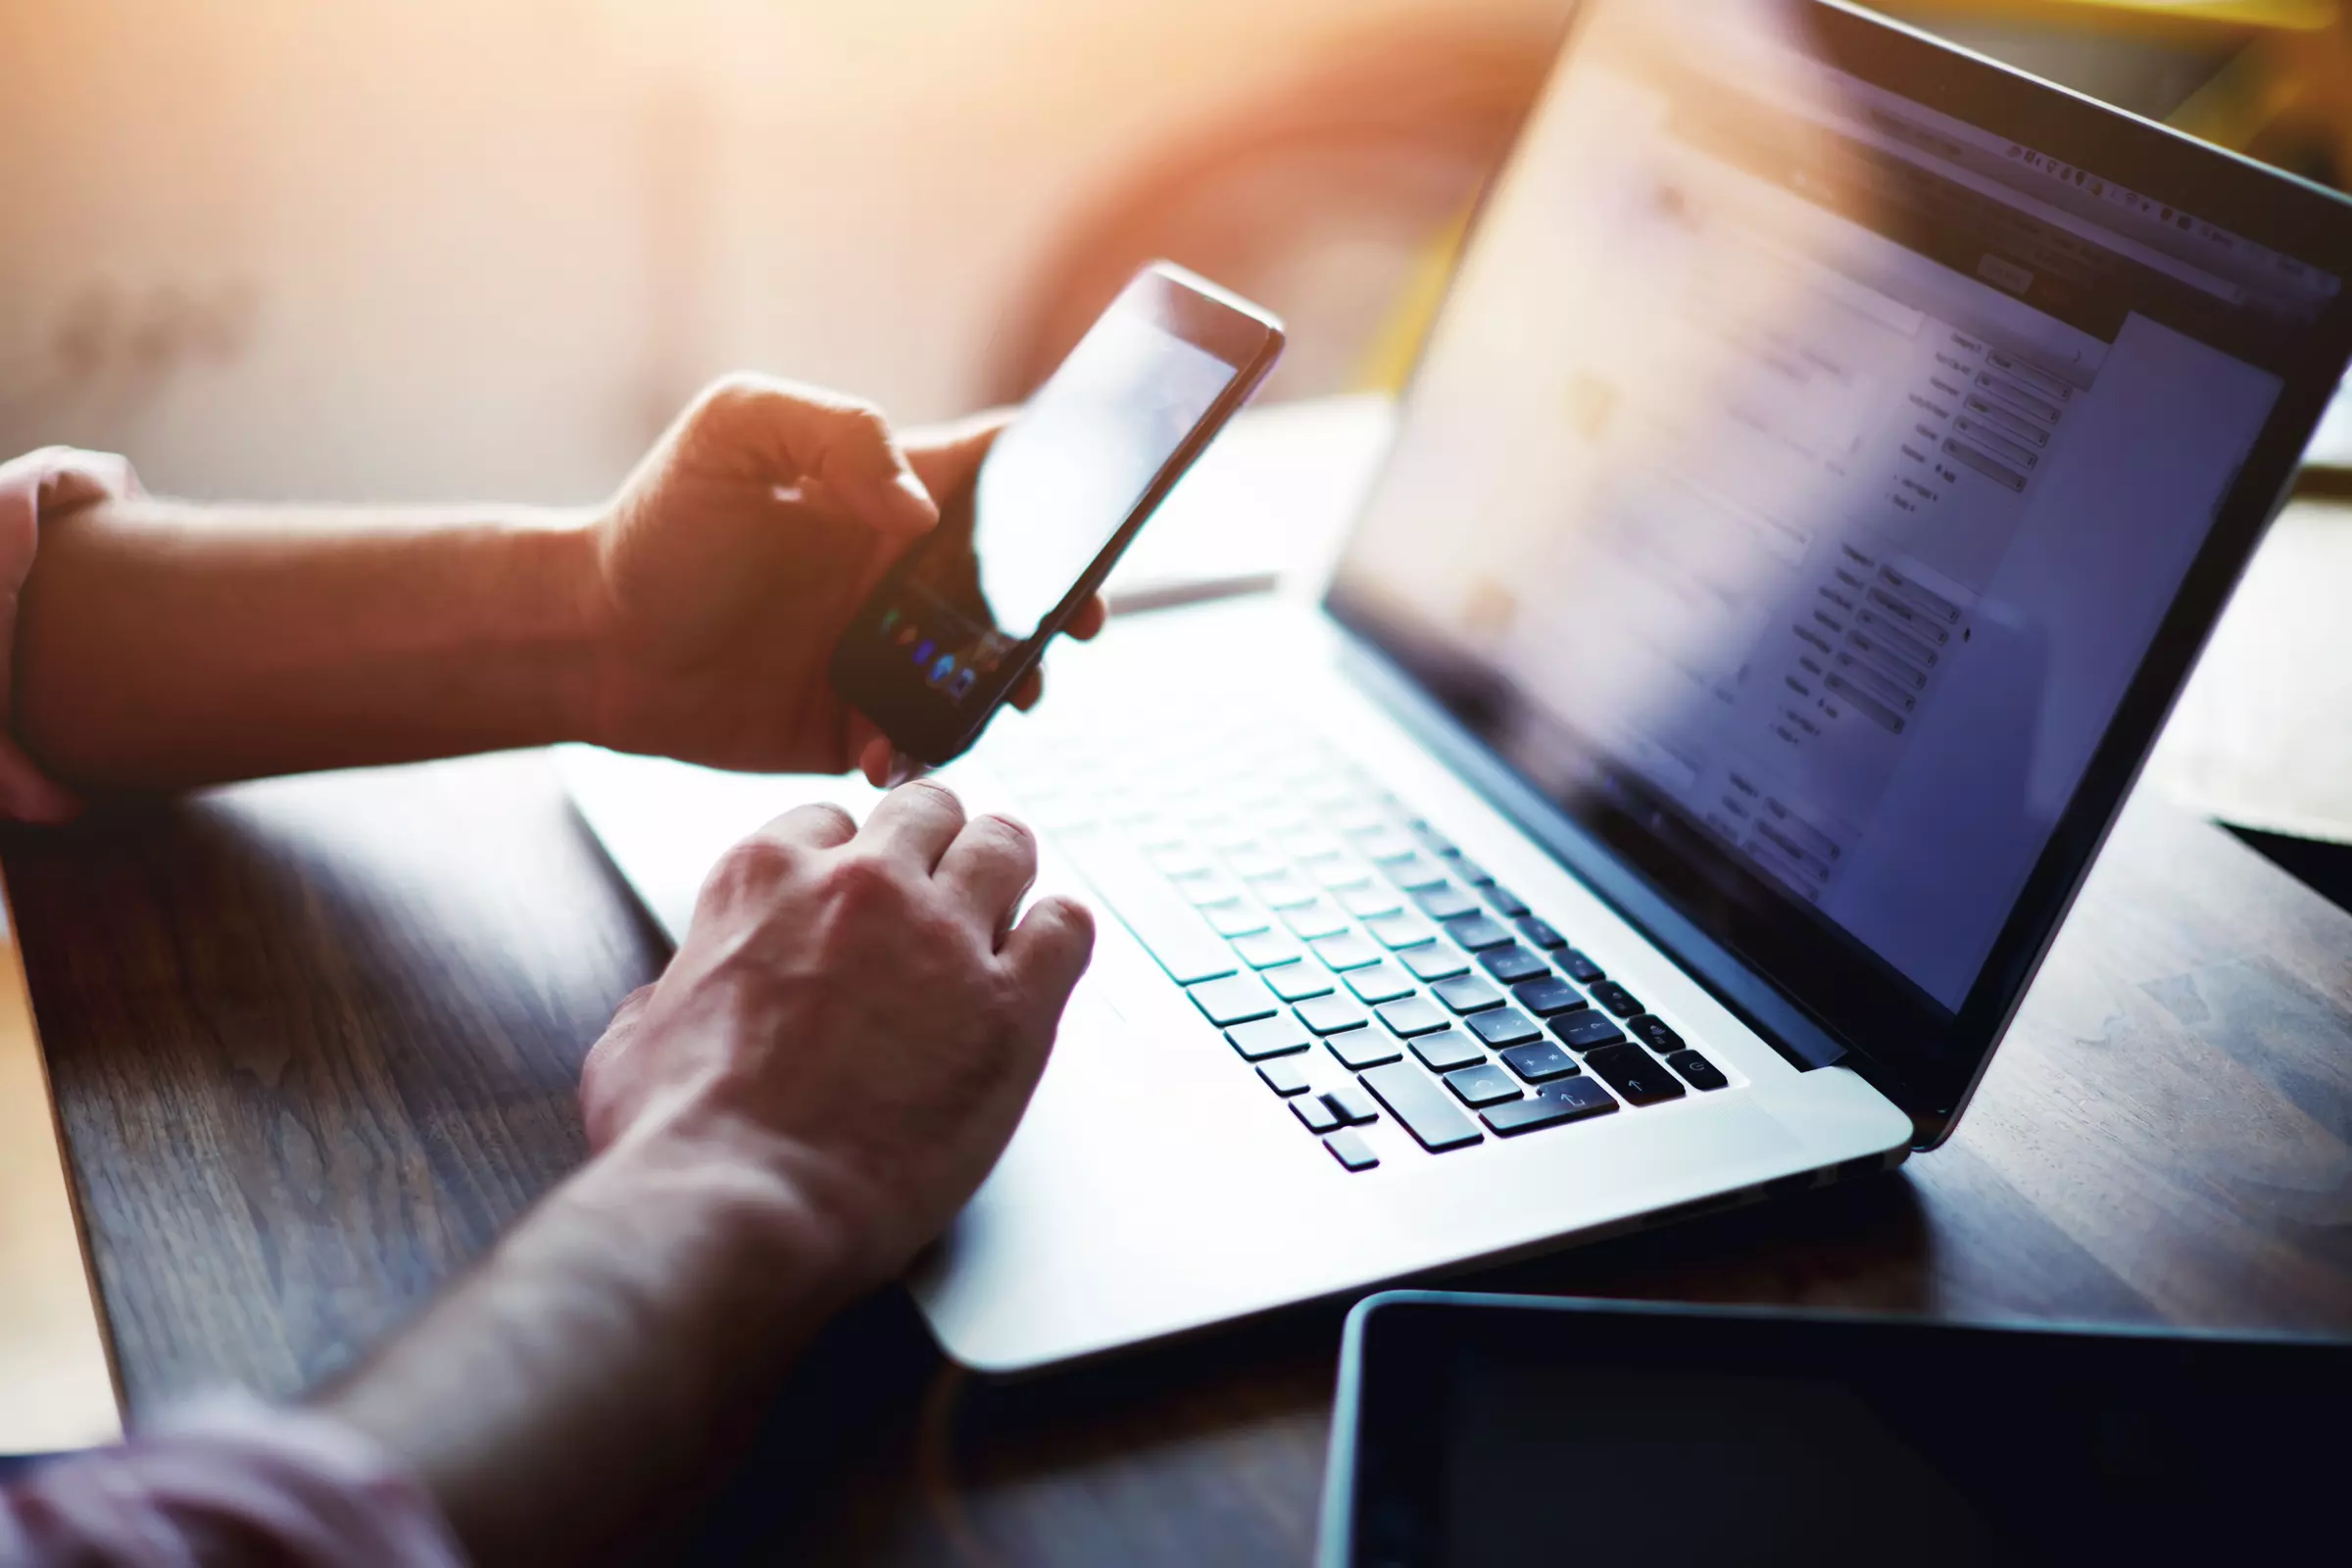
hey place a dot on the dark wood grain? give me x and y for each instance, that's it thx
(315, 1043)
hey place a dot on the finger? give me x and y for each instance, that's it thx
(918, 820)
(990, 866)
(1087, 623)
(1031, 688)
(631, 1006)
(805, 433)
(1049, 951)
(818, 826)
(874, 761)
(948, 457)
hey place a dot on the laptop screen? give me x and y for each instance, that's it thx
(1802, 472)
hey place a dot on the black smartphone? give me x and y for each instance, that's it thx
(968, 611)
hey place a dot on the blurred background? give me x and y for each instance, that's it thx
(393, 248)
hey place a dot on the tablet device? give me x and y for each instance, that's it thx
(1490, 1431)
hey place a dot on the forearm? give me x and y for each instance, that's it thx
(584, 1370)
(161, 645)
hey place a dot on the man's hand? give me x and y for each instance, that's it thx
(856, 1011)
(734, 558)
(827, 1069)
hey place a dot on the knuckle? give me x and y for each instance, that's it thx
(862, 883)
(730, 396)
(864, 420)
(834, 816)
(752, 866)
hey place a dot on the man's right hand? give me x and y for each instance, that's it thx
(855, 1012)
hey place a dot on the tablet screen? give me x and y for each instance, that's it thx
(1499, 1436)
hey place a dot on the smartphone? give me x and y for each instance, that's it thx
(968, 611)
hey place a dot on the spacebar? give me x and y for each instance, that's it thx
(1167, 927)
(1414, 1098)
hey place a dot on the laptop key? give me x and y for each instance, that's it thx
(1370, 902)
(1540, 934)
(1268, 1037)
(1215, 887)
(1502, 901)
(1284, 1075)
(1415, 873)
(1587, 1029)
(1477, 933)
(1284, 891)
(1618, 1001)
(1314, 1115)
(1635, 1074)
(1383, 982)
(1579, 969)
(1355, 1108)
(1445, 903)
(1413, 1016)
(1436, 841)
(1469, 993)
(1358, 1049)
(1268, 950)
(1296, 981)
(1238, 999)
(1346, 951)
(1308, 921)
(1446, 1051)
(1704, 1074)
(1503, 1026)
(1235, 919)
(1548, 997)
(1350, 1150)
(1652, 1032)
(1250, 861)
(1399, 931)
(1340, 872)
(1413, 1097)
(1540, 1063)
(1483, 1085)
(1331, 1015)
(1512, 965)
(1570, 1099)
(1435, 962)
(1167, 927)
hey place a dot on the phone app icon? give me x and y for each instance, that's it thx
(945, 668)
(961, 686)
(922, 654)
(889, 618)
(909, 634)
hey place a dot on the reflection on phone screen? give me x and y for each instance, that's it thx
(1055, 490)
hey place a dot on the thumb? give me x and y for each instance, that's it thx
(948, 458)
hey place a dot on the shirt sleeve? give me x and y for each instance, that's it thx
(44, 483)
(230, 1484)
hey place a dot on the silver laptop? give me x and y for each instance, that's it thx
(1833, 453)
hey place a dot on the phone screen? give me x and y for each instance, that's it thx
(1052, 493)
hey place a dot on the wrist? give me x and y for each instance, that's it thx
(576, 605)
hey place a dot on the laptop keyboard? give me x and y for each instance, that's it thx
(1344, 948)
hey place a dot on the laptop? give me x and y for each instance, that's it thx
(1830, 458)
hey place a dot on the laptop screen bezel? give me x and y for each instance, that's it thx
(1813, 1000)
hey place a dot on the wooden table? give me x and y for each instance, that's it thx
(315, 1043)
